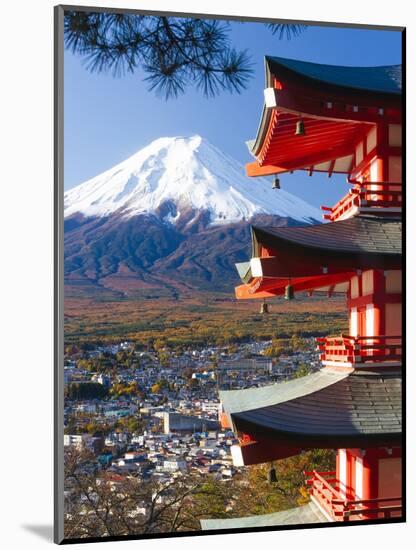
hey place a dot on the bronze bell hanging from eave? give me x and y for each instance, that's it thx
(264, 308)
(300, 128)
(289, 292)
(276, 183)
(272, 475)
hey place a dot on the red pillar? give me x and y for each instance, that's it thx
(370, 476)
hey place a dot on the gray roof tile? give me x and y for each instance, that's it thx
(353, 405)
(357, 235)
(385, 79)
(309, 513)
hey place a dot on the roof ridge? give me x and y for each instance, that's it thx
(283, 59)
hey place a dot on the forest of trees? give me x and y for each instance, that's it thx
(86, 390)
(192, 323)
(103, 504)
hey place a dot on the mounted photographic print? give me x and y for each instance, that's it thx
(228, 274)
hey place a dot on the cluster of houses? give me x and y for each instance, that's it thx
(176, 425)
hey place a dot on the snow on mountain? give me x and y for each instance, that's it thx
(189, 173)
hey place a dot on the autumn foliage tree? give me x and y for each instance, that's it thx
(127, 389)
(102, 504)
(257, 495)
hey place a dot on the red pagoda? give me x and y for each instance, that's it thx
(332, 119)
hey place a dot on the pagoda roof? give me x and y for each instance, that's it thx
(269, 287)
(328, 409)
(318, 257)
(338, 106)
(386, 79)
(356, 235)
(308, 513)
(237, 401)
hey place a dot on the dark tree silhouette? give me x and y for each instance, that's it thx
(287, 30)
(172, 52)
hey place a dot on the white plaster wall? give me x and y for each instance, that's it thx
(359, 476)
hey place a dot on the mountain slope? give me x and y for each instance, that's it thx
(183, 173)
(174, 216)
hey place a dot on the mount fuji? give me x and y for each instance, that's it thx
(173, 216)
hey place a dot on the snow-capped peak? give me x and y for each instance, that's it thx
(190, 173)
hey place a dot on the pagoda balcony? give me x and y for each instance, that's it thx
(328, 494)
(375, 197)
(360, 351)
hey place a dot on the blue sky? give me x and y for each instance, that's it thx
(108, 119)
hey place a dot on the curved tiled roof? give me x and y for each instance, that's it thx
(382, 79)
(357, 235)
(361, 406)
(308, 513)
(235, 401)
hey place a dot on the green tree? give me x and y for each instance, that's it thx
(131, 424)
(302, 370)
(172, 52)
(164, 358)
(86, 390)
(254, 494)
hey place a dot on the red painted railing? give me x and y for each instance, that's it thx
(360, 349)
(366, 195)
(325, 489)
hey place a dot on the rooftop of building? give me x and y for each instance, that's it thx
(332, 407)
(381, 79)
(309, 513)
(358, 235)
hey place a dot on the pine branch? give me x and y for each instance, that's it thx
(171, 53)
(286, 30)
